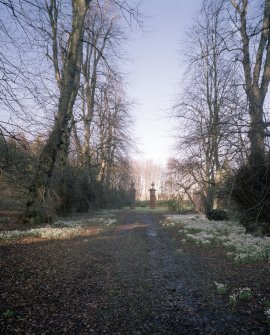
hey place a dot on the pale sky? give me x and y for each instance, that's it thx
(155, 72)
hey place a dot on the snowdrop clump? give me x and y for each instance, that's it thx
(233, 300)
(245, 293)
(110, 222)
(267, 314)
(240, 246)
(96, 220)
(68, 224)
(47, 233)
(101, 221)
(61, 229)
(7, 235)
(221, 288)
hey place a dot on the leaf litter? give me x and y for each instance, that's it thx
(127, 281)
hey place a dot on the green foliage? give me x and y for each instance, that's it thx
(143, 204)
(266, 303)
(187, 205)
(245, 294)
(8, 314)
(221, 288)
(184, 206)
(173, 205)
(217, 214)
(162, 203)
(180, 206)
(233, 301)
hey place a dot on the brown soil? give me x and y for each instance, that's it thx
(135, 279)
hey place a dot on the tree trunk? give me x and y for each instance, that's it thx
(59, 137)
(256, 135)
(257, 74)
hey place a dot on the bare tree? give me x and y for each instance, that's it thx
(183, 179)
(68, 41)
(114, 138)
(98, 69)
(68, 81)
(254, 41)
(101, 121)
(206, 105)
(16, 79)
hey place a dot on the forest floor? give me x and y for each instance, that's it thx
(134, 277)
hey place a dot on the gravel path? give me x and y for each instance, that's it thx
(132, 280)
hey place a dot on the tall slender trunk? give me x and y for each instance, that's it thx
(59, 137)
(257, 75)
(256, 132)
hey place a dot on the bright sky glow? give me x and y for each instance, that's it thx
(156, 69)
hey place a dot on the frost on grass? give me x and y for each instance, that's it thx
(240, 246)
(61, 229)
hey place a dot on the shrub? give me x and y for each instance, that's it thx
(173, 205)
(187, 205)
(161, 203)
(217, 214)
(251, 193)
(144, 203)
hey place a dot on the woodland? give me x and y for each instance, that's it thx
(65, 116)
(75, 258)
(66, 136)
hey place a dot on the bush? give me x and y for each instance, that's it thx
(187, 206)
(251, 193)
(173, 205)
(217, 214)
(162, 203)
(77, 190)
(143, 204)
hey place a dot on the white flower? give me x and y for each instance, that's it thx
(240, 246)
(233, 297)
(47, 232)
(111, 221)
(267, 313)
(219, 285)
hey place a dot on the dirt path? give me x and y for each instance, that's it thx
(132, 280)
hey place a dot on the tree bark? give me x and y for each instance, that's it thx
(59, 137)
(257, 77)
